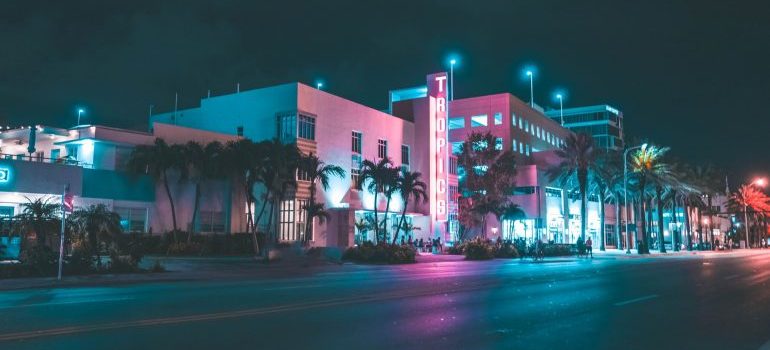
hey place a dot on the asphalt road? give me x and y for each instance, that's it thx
(701, 302)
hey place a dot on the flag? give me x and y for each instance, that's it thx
(68, 200)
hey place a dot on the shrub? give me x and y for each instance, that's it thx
(184, 248)
(478, 249)
(381, 253)
(13, 271)
(506, 250)
(558, 249)
(457, 249)
(40, 260)
(81, 259)
(122, 264)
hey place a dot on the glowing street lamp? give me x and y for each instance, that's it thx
(80, 112)
(625, 192)
(319, 85)
(560, 97)
(452, 63)
(531, 75)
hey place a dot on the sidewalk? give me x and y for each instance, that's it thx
(617, 254)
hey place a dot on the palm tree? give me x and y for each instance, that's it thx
(99, 223)
(372, 177)
(647, 165)
(603, 175)
(748, 198)
(244, 160)
(409, 187)
(158, 160)
(710, 183)
(362, 226)
(279, 174)
(40, 216)
(577, 157)
(315, 171)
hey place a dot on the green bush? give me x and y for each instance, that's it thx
(478, 249)
(81, 259)
(14, 271)
(40, 260)
(381, 253)
(558, 249)
(203, 244)
(457, 249)
(122, 263)
(506, 250)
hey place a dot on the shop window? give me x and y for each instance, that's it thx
(382, 148)
(456, 123)
(479, 120)
(132, 219)
(498, 118)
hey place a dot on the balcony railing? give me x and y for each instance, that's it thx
(39, 159)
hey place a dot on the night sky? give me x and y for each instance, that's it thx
(691, 75)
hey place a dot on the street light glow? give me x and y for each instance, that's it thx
(529, 73)
(453, 61)
(759, 182)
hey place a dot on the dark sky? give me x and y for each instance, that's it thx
(691, 75)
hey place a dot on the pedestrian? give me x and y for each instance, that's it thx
(440, 246)
(403, 240)
(421, 245)
(589, 247)
(411, 242)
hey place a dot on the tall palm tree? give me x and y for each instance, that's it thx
(576, 156)
(40, 216)
(647, 165)
(749, 198)
(99, 223)
(372, 179)
(316, 171)
(158, 160)
(710, 183)
(280, 177)
(409, 187)
(603, 174)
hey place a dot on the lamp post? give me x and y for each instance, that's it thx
(625, 192)
(452, 63)
(561, 108)
(758, 182)
(80, 112)
(319, 85)
(531, 89)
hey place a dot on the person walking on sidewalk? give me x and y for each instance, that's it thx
(589, 247)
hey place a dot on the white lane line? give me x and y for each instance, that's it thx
(732, 276)
(295, 287)
(636, 300)
(65, 303)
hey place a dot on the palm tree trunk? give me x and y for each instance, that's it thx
(688, 225)
(583, 205)
(195, 210)
(711, 222)
(376, 220)
(385, 220)
(401, 221)
(659, 200)
(700, 228)
(618, 240)
(308, 219)
(171, 203)
(643, 217)
(675, 231)
(601, 220)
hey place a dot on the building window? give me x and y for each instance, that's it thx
(239, 131)
(301, 223)
(457, 147)
(287, 127)
(521, 147)
(513, 119)
(132, 219)
(514, 145)
(499, 143)
(355, 169)
(498, 118)
(356, 142)
(452, 193)
(453, 165)
(303, 175)
(287, 221)
(526, 125)
(211, 221)
(382, 148)
(456, 123)
(405, 154)
(479, 120)
(122, 155)
(306, 129)
(521, 123)
(528, 148)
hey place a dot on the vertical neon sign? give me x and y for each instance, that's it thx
(437, 93)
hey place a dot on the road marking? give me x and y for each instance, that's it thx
(636, 300)
(64, 303)
(229, 314)
(731, 276)
(295, 287)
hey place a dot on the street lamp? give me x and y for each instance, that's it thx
(319, 85)
(530, 74)
(625, 192)
(561, 107)
(452, 63)
(80, 112)
(758, 182)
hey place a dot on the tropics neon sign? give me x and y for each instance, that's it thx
(437, 90)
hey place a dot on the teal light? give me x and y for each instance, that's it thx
(5, 175)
